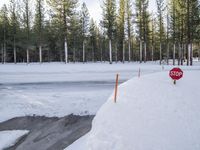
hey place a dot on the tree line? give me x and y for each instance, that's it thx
(60, 30)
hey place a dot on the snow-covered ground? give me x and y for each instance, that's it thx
(59, 89)
(9, 138)
(56, 89)
(151, 113)
(57, 72)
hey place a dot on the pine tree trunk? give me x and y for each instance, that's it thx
(174, 54)
(145, 52)
(66, 51)
(49, 56)
(116, 53)
(152, 53)
(74, 55)
(93, 53)
(61, 55)
(199, 52)
(40, 53)
(123, 51)
(182, 53)
(140, 51)
(191, 54)
(179, 54)
(129, 50)
(14, 52)
(83, 51)
(160, 53)
(27, 56)
(2, 54)
(4, 46)
(133, 53)
(188, 54)
(15, 55)
(167, 53)
(5, 53)
(167, 36)
(110, 50)
(101, 54)
(188, 32)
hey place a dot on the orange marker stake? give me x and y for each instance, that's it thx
(116, 88)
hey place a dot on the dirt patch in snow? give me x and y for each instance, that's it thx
(48, 133)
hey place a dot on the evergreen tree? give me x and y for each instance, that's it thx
(85, 25)
(145, 18)
(14, 21)
(184, 22)
(129, 26)
(76, 41)
(192, 18)
(174, 5)
(153, 37)
(121, 29)
(138, 5)
(27, 27)
(93, 38)
(109, 20)
(64, 9)
(143, 26)
(63, 27)
(160, 6)
(4, 32)
(39, 25)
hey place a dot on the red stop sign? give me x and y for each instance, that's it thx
(176, 73)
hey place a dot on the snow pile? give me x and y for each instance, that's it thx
(150, 114)
(10, 138)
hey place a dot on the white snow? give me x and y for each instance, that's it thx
(80, 144)
(57, 72)
(55, 89)
(150, 114)
(10, 138)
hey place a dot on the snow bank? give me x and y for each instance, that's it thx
(150, 114)
(10, 138)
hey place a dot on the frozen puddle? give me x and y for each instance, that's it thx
(48, 133)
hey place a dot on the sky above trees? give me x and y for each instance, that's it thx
(94, 7)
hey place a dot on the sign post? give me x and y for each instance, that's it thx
(139, 72)
(176, 74)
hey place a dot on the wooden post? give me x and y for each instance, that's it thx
(139, 72)
(116, 88)
(174, 82)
